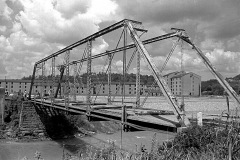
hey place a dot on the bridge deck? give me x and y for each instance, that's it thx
(136, 117)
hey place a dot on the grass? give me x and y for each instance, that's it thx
(195, 143)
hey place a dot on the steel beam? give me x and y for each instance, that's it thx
(32, 81)
(67, 90)
(89, 72)
(216, 74)
(157, 75)
(43, 81)
(91, 38)
(163, 67)
(138, 87)
(75, 82)
(53, 79)
(124, 62)
(61, 69)
(128, 66)
(148, 41)
(109, 78)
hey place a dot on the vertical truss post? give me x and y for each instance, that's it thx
(32, 81)
(156, 73)
(67, 56)
(89, 73)
(75, 82)
(109, 78)
(43, 81)
(53, 79)
(138, 88)
(58, 90)
(217, 75)
(124, 62)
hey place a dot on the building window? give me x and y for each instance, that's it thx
(36, 86)
(12, 82)
(25, 83)
(25, 86)
(11, 86)
(130, 92)
(20, 86)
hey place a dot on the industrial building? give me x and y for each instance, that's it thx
(186, 83)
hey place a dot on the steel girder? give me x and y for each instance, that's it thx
(92, 37)
(53, 79)
(75, 82)
(89, 73)
(140, 47)
(67, 90)
(109, 78)
(156, 74)
(213, 70)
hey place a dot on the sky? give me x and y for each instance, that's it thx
(33, 29)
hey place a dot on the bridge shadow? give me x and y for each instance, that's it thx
(61, 129)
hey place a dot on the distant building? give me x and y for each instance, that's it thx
(186, 83)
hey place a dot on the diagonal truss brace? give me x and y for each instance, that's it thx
(217, 75)
(156, 73)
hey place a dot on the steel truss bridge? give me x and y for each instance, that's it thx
(130, 115)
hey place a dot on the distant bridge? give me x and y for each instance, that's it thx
(59, 64)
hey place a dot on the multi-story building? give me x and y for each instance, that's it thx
(186, 83)
(17, 85)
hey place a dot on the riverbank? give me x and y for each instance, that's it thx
(54, 149)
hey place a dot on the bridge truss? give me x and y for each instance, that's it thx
(134, 29)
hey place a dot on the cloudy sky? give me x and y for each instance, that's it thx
(33, 29)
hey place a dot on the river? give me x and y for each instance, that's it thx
(53, 150)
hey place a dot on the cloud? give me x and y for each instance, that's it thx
(5, 11)
(43, 27)
(165, 11)
(71, 8)
(31, 30)
(3, 28)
